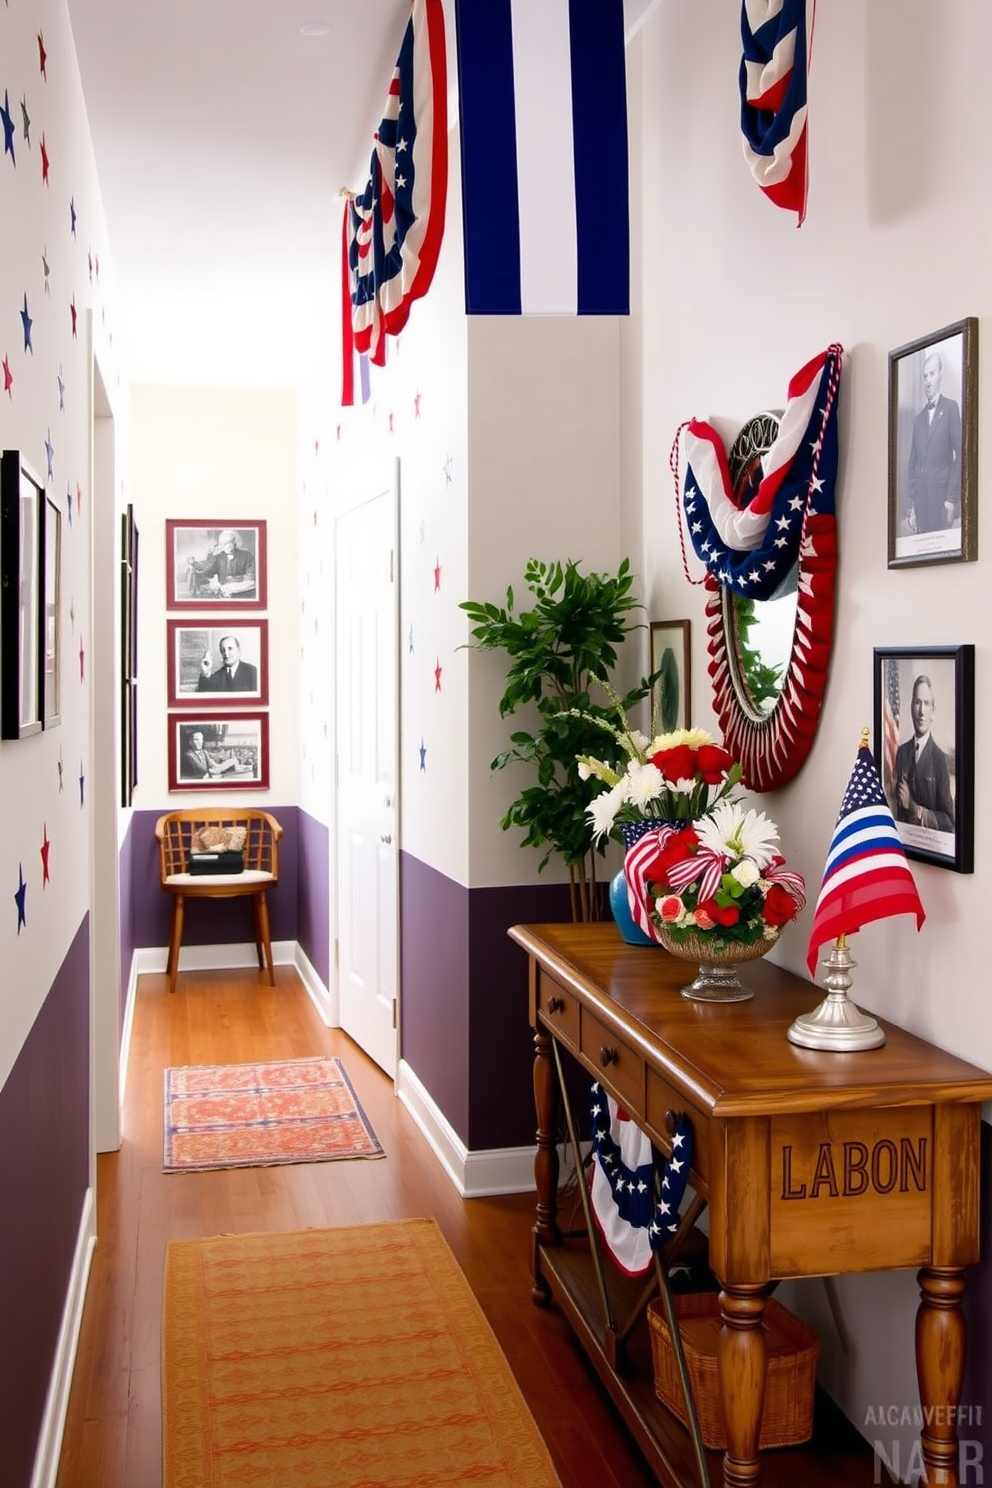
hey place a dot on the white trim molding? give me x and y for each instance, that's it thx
(46, 1461)
(476, 1175)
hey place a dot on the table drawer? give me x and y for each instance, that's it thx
(662, 1098)
(616, 1065)
(558, 1009)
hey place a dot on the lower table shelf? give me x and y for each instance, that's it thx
(836, 1455)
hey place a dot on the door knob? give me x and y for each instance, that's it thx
(385, 838)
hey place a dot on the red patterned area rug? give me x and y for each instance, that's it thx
(354, 1357)
(254, 1115)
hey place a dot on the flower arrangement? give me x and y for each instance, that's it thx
(703, 866)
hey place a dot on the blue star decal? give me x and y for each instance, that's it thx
(8, 129)
(61, 392)
(423, 755)
(68, 503)
(50, 452)
(61, 767)
(26, 121)
(411, 640)
(27, 323)
(72, 214)
(447, 471)
(82, 785)
(20, 899)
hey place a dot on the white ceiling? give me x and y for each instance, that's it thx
(223, 137)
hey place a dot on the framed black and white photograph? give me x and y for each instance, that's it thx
(218, 751)
(925, 734)
(229, 662)
(209, 564)
(23, 599)
(933, 448)
(670, 706)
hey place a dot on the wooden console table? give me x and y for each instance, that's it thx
(812, 1164)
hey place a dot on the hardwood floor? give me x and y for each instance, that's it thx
(113, 1429)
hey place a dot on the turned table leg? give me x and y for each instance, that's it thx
(741, 1361)
(940, 1354)
(546, 1099)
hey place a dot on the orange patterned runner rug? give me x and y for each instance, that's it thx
(247, 1115)
(356, 1357)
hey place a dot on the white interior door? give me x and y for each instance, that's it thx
(367, 813)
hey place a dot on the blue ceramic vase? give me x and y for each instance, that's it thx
(632, 933)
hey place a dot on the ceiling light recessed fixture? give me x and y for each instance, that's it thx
(315, 28)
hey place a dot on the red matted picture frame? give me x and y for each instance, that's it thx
(210, 563)
(220, 662)
(218, 751)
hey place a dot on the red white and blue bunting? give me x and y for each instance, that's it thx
(632, 1220)
(777, 37)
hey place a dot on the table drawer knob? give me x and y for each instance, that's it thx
(607, 1056)
(556, 1005)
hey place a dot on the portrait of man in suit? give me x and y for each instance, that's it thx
(232, 675)
(922, 777)
(934, 476)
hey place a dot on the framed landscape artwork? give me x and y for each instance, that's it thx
(670, 656)
(210, 564)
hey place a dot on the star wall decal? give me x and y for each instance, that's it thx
(42, 55)
(79, 500)
(61, 770)
(72, 215)
(423, 755)
(27, 323)
(46, 270)
(50, 454)
(437, 575)
(8, 378)
(447, 471)
(8, 129)
(437, 676)
(72, 312)
(26, 122)
(411, 640)
(20, 898)
(416, 405)
(390, 421)
(82, 785)
(46, 844)
(68, 503)
(82, 663)
(45, 163)
(72, 614)
(61, 381)
(96, 263)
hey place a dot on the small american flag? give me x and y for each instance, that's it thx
(890, 719)
(866, 875)
(777, 37)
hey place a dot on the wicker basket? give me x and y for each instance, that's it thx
(791, 1349)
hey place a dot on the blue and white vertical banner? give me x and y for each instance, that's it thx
(543, 120)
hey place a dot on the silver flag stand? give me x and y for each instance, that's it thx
(837, 1024)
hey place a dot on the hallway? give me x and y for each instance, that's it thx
(113, 1428)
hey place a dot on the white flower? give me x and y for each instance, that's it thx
(739, 834)
(640, 741)
(602, 811)
(746, 872)
(693, 737)
(642, 784)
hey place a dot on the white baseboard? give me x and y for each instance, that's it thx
(46, 1462)
(132, 992)
(476, 1175)
(327, 1003)
(214, 957)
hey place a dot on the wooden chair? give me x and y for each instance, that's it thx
(175, 833)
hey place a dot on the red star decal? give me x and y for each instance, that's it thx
(79, 501)
(315, 519)
(437, 575)
(45, 875)
(437, 676)
(44, 161)
(338, 431)
(42, 55)
(8, 378)
(72, 312)
(390, 423)
(98, 266)
(89, 260)
(416, 405)
(82, 663)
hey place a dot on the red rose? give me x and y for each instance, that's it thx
(780, 907)
(701, 918)
(720, 914)
(676, 764)
(680, 845)
(714, 763)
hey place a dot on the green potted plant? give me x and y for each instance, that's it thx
(559, 649)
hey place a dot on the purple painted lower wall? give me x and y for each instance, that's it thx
(314, 907)
(126, 912)
(464, 1029)
(44, 1175)
(221, 922)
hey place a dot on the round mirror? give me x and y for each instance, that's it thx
(769, 656)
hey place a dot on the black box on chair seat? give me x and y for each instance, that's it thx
(216, 862)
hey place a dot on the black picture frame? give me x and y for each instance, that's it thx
(670, 695)
(933, 801)
(933, 456)
(129, 656)
(23, 613)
